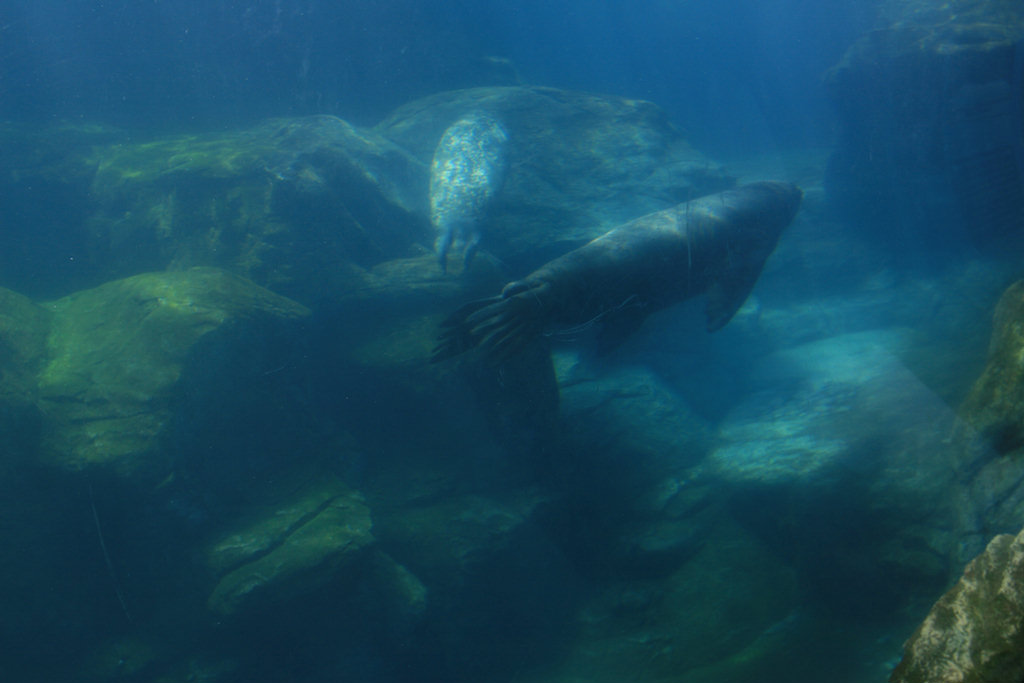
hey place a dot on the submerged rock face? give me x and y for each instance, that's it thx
(842, 437)
(991, 436)
(114, 354)
(715, 608)
(296, 549)
(975, 632)
(637, 442)
(929, 105)
(579, 164)
(995, 406)
(280, 203)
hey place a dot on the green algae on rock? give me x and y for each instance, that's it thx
(291, 551)
(277, 202)
(114, 354)
(975, 632)
(995, 406)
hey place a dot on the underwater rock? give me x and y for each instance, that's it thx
(991, 436)
(995, 406)
(718, 608)
(835, 437)
(445, 540)
(376, 339)
(975, 632)
(472, 550)
(286, 203)
(115, 353)
(929, 105)
(636, 442)
(294, 550)
(579, 164)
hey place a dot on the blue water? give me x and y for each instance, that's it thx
(760, 504)
(737, 75)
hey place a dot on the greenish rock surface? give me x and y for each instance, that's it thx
(975, 632)
(579, 163)
(392, 311)
(445, 540)
(991, 434)
(714, 606)
(294, 550)
(277, 203)
(114, 354)
(995, 406)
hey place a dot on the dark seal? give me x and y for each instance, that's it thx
(716, 245)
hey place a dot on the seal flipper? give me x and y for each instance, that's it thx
(501, 326)
(729, 291)
(456, 335)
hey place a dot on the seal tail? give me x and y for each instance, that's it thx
(500, 326)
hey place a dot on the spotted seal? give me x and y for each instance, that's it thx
(716, 245)
(466, 173)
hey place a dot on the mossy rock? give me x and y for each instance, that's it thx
(294, 549)
(115, 353)
(975, 632)
(995, 405)
(285, 203)
(710, 610)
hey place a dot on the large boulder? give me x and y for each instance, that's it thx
(579, 163)
(714, 610)
(115, 354)
(631, 445)
(293, 550)
(286, 203)
(995, 406)
(975, 632)
(929, 105)
(835, 437)
(991, 435)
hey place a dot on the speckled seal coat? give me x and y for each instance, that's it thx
(467, 172)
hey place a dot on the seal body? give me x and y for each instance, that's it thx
(716, 245)
(466, 173)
